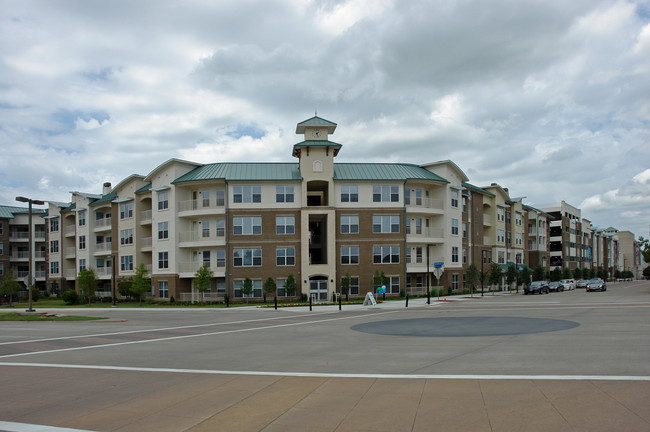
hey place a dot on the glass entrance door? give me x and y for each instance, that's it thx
(318, 288)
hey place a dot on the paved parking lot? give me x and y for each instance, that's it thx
(563, 361)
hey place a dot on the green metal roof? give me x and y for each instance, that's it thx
(317, 143)
(106, 198)
(251, 171)
(526, 206)
(478, 189)
(70, 207)
(145, 188)
(8, 212)
(383, 171)
(315, 121)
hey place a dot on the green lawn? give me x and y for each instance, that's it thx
(14, 316)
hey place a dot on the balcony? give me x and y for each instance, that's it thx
(199, 206)
(145, 217)
(104, 224)
(425, 235)
(69, 231)
(426, 205)
(70, 252)
(487, 219)
(145, 244)
(70, 273)
(188, 269)
(195, 237)
(103, 248)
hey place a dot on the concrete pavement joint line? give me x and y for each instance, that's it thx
(193, 336)
(338, 375)
(24, 427)
(162, 329)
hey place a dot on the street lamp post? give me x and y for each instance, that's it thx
(482, 274)
(428, 283)
(113, 278)
(30, 278)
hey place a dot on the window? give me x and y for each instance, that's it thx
(418, 255)
(454, 199)
(251, 257)
(82, 264)
(163, 200)
(2, 267)
(82, 218)
(518, 239)
(126, 263)
(82, 242)
(54, 268)
(454, 227)
(206, 258)
(126, 236)
(500, 236)
(221, 228)
(247, 225)
(285, 225)
(54, 246)
(247, 194)
(257, 288)
(418, 226)
(163, 260)
(464, 255)
(2, 248)
(205, 228)
(126, 210)
(205, 198)
(221, 258)
(54, 225)
(501, 257)
(221, 197)
(163, 289)
(284, 194)
(518, 259)
(464, 229)
(464, 204)
(518, 219)
(2, 227)
(393, 285)
(418, 196)
(163, 230)
(349, 224)
(385, 254)
(285, 256)
(501, 214)
(454, 254)
(349, 193)
(385, 193)
(354, 285)
(349, 255)
(454, 282)
(385, 224)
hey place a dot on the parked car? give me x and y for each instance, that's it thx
(596, 285)
(536, 287)
(555, 286)
(582, 283)
(568, 284)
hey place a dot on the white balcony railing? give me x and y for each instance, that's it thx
(103, 247)
(146, 242)
(198, 204)
(145, 216)
(103, 223)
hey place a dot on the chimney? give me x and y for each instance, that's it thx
(107, 188)
(506, 189)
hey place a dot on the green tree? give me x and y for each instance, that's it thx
(247, 288)
(269, 287)
(556, 274)
(566, 273)
(140, 283)
(472, 277)
(124, 287)
(644, 246)
(290, 285)
(378, 280)
(646, 272)
(577, 273)
(538, 273)
(87, 282)
(495, 274)
(203, 280)
(346, 281)
(511, 275)
(523, 277)
(9, 286)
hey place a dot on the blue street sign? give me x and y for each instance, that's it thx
(438, 264)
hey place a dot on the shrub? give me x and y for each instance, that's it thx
(70, 297)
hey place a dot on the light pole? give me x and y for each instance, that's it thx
(428, 283)
(113, 277)
(482, 274)
(30, 279)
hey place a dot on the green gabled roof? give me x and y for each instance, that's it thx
(70, 207)
(145, 188)
(383, 171)
(106, 198)
(245, 171)
(526, 206)
(8, 212)
(315, 121)
(478, 189)
(317, 143)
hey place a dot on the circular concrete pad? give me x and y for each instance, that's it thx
(464, 326)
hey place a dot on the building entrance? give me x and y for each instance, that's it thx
(318, 288)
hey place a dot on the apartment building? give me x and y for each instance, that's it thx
(565, 231)
(629, 253)
(15, 246)
(537, 241)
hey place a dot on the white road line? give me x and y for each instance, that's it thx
(162, 329)
(337, 375)
(195, 335)
(24, 427)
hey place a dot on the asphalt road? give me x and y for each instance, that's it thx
(570, 337)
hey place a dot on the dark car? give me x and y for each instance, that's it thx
(537, 287)
(555, 286)
(596, 285)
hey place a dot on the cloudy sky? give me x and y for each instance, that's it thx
(550, 99)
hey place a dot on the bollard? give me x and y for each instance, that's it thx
(407, 300)
(309, 303)
(340, 302)
(275, 300)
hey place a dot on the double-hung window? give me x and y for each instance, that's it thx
(247, 225)
(385, 193)
(285, 225)
(163, 260)
(349, 254)
(163, 230)
(349, 193)
(247, 257)
(350, 224)
(126, 236)
(454, 226)
(285, 256)
(385, 254)
(283, 194)
(163, 200)
(385, 224)
(126, 210)
(247, 194)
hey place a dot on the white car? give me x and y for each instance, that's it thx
(569, 284)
